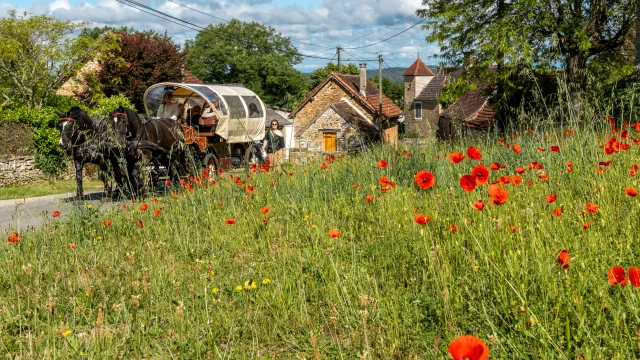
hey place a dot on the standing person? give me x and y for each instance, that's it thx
(168, 109)
(273, 143)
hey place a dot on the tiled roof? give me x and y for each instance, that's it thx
(189, 78)
(433, 89)
(473, 109)
(389, 108)
(352, 84)
(273, 114)
(418, 68)
(351, 115)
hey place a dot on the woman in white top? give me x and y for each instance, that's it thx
(168, 109)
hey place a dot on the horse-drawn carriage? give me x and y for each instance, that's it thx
(222, 124)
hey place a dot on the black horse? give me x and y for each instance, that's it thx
(86, 140)
(159, 141)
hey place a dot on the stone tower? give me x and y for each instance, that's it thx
(416, 79)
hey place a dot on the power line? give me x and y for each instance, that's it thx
(225, 20)
(195, 27)
(389, 38)
(373, 32)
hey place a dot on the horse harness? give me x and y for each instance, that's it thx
(143, 123)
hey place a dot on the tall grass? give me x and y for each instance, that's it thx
(180, 286)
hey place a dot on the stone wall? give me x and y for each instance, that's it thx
(428, 124)
(312, 139)
(22, 170)
(330, 93)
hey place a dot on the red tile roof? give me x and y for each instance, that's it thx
(351, 83)
(189, 78)
(418, 68)
(473, 109)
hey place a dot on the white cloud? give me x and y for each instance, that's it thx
(327, 25)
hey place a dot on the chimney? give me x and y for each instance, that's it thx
(363, 80)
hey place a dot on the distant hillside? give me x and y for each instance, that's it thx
(394, 74)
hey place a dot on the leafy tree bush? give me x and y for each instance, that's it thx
(142, 59)
(320, 74)
(249, 53)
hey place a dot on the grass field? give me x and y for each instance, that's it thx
(221, 272)
(58, 187)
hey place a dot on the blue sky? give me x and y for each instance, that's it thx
(323, 23)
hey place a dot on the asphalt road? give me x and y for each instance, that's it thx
(23, 214)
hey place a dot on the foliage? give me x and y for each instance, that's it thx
(386, 286)
(141, 60)
(529, 33)
(454, 90)
(105, 105)
(38, 53)
(318, 75)
(393, 90)
(248, 53)
(99, 32)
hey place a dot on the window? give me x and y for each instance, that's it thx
(418, 107)
(330, 142)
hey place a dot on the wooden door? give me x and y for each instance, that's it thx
(330, 142)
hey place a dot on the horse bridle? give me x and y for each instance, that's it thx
(121, 114)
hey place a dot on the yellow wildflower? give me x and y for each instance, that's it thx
(266, 281)
(89, 206)
(214, 290)
(66, 333)
(239, 288)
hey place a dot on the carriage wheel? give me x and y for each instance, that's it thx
(253, 156)
(211, 163)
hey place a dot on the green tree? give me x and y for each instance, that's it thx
(320, 74)
(248, 53)
(141, 60)
(38, 53)
(529, 33)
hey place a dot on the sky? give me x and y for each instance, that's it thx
(316, 27)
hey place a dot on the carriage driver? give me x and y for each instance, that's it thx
(168, 109)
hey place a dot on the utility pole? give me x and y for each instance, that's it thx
(339, 63)
(380, 85)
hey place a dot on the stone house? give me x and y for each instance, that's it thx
(470, 114)
(422, 88)
(342, 113)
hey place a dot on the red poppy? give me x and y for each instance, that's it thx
(334, 233)
(265, 210)
(631, 192)
(421, 219)
(498, 194)
(564, 259)
(592, 208)
(633, 170)
(56, 213)
(453, 228)
(140, 224)
(634, 276)
(617, 276)
(473, 153)
(535, 165)
(424, 179)
(357, 186)
(569, 169)
(557, 212)
(520, 170)
(323, 166)
(144, 207)
(468, 183)
(230, 221)
(604, 163)
(330, 159)
(529, 183)
(382, 164)
(504, 179)
(569, 163)
(551, 198)
(481, 174)
(555, 148)
(516, 180)
(385, 182)
(479, 205)
(369, 198)
(107, 223)
(586, 225)
(468, 347)
(14, 238)
(495, 166)
(455, 157)
(541, 149)
(156, 212)
(517, 148)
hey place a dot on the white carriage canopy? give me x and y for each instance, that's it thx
(241, 115)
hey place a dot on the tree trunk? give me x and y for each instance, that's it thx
(576, 80)
(636, 67)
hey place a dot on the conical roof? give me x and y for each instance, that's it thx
(418, 68)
